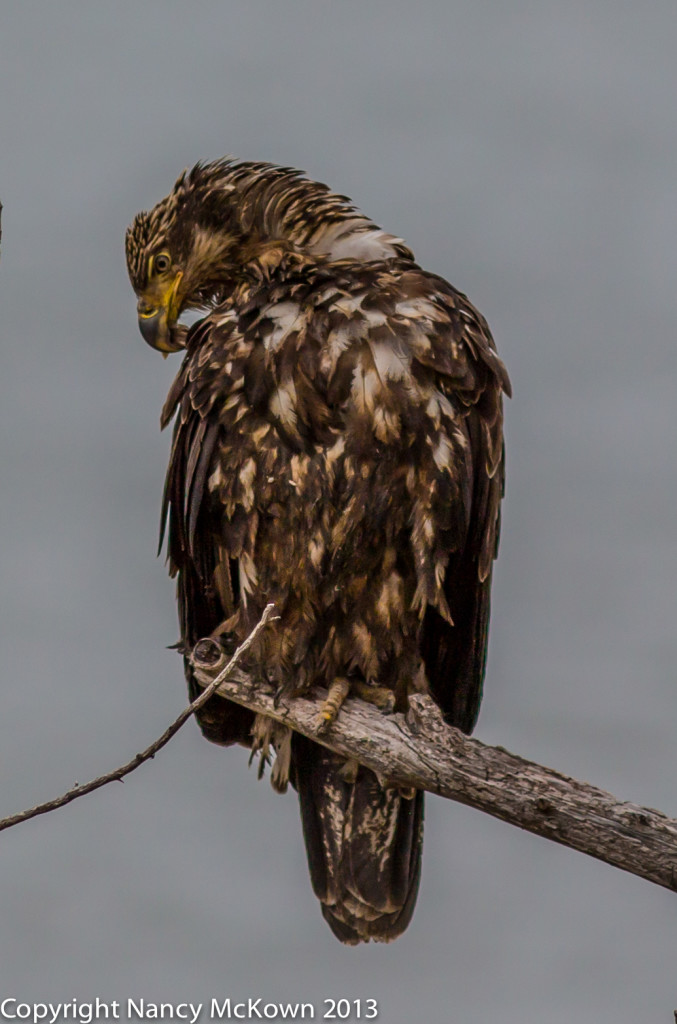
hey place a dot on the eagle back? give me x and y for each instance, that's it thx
(339, 431)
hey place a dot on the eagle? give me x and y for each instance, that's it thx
(338, 451)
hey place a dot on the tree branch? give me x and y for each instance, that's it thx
(145, 755)
(422, 751)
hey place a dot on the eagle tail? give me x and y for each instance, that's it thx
(364, 846)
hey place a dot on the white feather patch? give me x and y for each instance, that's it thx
(356, 241)
(216, 479)
(391, 363)
(442, 452)
(418, 309)
(285, 315)
(248, 576)
(366, 385)
(247, 476)
(348, 304)
(283, 404)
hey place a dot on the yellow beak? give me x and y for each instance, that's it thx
(157, 318)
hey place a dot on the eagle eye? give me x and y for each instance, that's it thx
(161, 262)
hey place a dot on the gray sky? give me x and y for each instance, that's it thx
(527, 152)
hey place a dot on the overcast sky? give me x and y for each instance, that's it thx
(527, 151)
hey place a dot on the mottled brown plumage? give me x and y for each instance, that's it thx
(338, 450)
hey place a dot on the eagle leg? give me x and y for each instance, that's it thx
(379, 696)
(338, 691)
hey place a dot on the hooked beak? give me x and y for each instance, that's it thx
(157, 320)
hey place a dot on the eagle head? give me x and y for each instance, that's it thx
(226, 220)
(182, 253)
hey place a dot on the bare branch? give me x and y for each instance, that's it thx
(422, 751)
(150, 752)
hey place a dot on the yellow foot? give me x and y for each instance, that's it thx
(379, 696)
(338, 691)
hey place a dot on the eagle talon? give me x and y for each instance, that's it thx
(324, 721)
(379, 696)
(338, 691)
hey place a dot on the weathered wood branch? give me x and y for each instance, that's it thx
(422, 751)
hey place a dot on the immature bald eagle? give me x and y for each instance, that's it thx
(338, 450)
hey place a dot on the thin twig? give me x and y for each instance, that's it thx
(151, 751)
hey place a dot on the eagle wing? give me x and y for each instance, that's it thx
(196, 553)
(454, 646)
